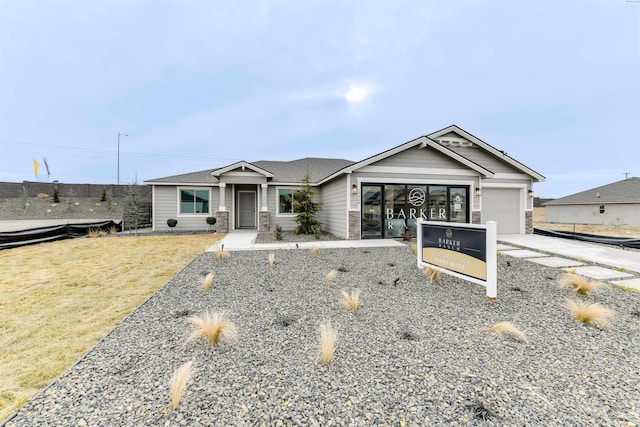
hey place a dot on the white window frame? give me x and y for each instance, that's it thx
(285, 214)
(192, 215)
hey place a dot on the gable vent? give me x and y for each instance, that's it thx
(455, 143)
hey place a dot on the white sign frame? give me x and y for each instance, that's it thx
(491, 236)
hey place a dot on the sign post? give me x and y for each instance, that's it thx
(467, 251)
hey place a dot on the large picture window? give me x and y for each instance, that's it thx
(194, 201)
(285, 201)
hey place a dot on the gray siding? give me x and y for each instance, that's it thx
(485, 159)
(166, 206)
(287, 222)
(420, 158)
(614, 214)
(334, 214)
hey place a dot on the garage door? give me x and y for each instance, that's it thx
(503, 206)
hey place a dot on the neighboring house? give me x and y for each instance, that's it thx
(612, 204)
(449, 175)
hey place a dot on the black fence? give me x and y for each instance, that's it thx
(622, 242)
(14, 239)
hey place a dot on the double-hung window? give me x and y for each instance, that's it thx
(193, 201)
(285, 201)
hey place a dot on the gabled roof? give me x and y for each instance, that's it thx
(625, 191)
(243, 166)
(494, 151)
(293, 171)
(195, 178)
(423, 142)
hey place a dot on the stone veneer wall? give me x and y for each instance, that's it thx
(528, 222)
(476, 217)
(222, 221)
(354, 225)
(264, 218)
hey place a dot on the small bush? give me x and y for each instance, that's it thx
(221, 254)
(330, 276)
(93, 233)
(509, 329)
(113, 229)
(211, 220)
(406, 236)
(279, 235)
(207, 281)
(56, 195)
(272, 259)
(328, 337)
(315, 250)
(590, 314)
(317, 231)
(351, 300)
(432, 273)
(213, 326)
(179, 383)
(103, 197)
(579, 284)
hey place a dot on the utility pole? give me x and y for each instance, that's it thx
(119, 135)
(626, 175)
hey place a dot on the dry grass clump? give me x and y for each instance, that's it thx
(179, 383)
(590, 313)
(580, 284)
(213, 326)
(414, 249)
(272, 259)
(113, 230)
(207, 281)
(221, 254)
(432, 273)
(330, 276)
(315, 250)
(351, 300)
(509, 329)
(328, 336)
(95, 232)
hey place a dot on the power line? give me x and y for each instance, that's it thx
(97, 151)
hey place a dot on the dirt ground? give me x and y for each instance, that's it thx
(539, 221)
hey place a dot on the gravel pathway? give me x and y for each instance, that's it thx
(414, 354)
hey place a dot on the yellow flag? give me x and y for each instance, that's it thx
(36, 166)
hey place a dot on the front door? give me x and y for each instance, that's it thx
(246, 209)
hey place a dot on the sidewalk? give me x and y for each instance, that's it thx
(575, 249)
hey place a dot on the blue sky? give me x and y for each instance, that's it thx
(201, 84)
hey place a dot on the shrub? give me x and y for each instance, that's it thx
(330, 276)
(306, 208)
(351, 300)
(317, 231)
(432, 273)
(179, 383)
(579, 284)
(220, 253)
(510, 329)
(406, 236)
(315, 250)
(56, 195)
(279, 235)
(213, 326)
(103, 198)
(207, 281)
(211, 220)
(590, 314)
(328, 337)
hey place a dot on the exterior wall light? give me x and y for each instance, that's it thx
(478, 192)
(354, 189)
(530, 194)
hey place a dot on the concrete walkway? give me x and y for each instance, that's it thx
(240, 240)
(575, 249)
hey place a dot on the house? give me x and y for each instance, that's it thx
(449, 175)
(612, 204)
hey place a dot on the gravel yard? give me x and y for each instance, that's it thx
(414, 354)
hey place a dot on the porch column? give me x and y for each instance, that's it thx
(264, 207)
(264, 216)
(222, 216)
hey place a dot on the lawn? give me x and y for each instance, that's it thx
(58, 299)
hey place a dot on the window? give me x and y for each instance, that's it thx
(194, 201)
(285, 201)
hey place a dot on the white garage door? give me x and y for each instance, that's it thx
(503, 206)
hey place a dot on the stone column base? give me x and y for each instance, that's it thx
(476, 217)
(354, 225)
(222, 221)
(528, 222)
(264, 217)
